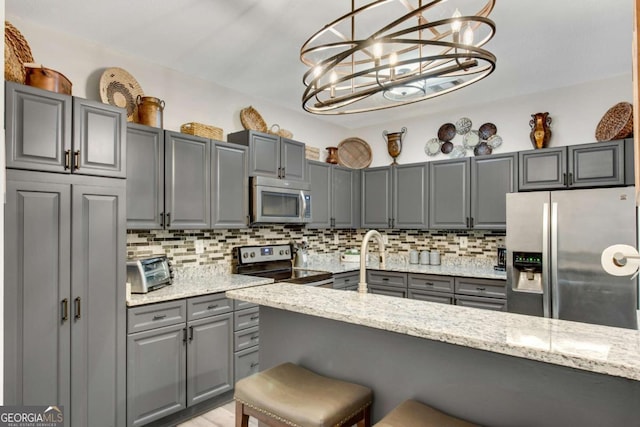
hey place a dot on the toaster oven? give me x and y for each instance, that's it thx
(148, 274)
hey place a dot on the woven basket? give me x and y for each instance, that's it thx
(312, 153)
(198, 129)
(617, 123)
(16, 52)
(276, 130)
(252, 120)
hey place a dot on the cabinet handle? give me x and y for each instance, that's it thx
(190, 333)
(78, 304)
(471, 222)
(255, 317)
(254, 338)
(159, 316)
(347, 280)
(212, 306)
(67, 159)
(429, 284)
(162, 219)
(385, 279)
(564, 179)
(570, 178)
(254, 364)
(481, 289)
(467, 222)
(168, 215)
(184, 335)
(65, 310)
(279, 172)
(76, 160)
(284, 174)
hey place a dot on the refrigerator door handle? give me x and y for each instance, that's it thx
(546, 296)
(555, 303)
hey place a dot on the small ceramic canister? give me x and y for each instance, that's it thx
(424, 257)
(434, 258)
(413, 257)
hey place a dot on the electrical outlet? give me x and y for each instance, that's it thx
(199, 247)
(385, 239)
(336, 239)
(464, 241)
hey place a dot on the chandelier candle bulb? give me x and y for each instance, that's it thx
(393, 59)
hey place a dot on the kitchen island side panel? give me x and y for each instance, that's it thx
(483, 387)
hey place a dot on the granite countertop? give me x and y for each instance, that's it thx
(195, 281)
(594, 348)
(451, 266)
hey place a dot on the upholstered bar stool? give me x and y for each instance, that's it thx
(289, 395)
(415, 414)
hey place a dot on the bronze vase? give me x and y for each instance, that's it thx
(540, 130)
(332, 155)
(394, 143)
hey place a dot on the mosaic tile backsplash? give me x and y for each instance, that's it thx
(216, 245)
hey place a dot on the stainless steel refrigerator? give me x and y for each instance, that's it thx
(554, 245)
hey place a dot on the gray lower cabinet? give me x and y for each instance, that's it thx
(335, 195)
(432, 288)
(52, 132)
(64, 303)
(388, 283)
(449, 194)
(347, 281)
(246, 339)
(229, 186)
(599, 164)
(481, 293)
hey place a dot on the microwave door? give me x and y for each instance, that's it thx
(277, 205)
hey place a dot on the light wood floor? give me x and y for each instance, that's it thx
(223, 416)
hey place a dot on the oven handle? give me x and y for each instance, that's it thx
(304, 206)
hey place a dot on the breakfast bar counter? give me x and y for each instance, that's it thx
(493, 368)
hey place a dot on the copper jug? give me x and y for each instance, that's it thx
(150, 111)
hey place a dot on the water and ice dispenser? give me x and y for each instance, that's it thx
(527, 272)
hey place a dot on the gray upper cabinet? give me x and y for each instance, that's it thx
(145, 177)
(492, 177)
(51, 132)
(187, 189)
(377, 206)
(600, 164)
(410, 196)
(335, 195)
(272, 155)
(229, 185)
(449, 194)
(64, 299)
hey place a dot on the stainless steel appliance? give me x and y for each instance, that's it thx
(147, 274)
(274, 262)
(279, 201)
(502, 260)
(554, 243)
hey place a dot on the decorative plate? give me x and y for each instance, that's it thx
(471, 139)
(487, 130)
(354, 153)
(119, 88)
(432, 147)
(446, 147)
(457, 152)
(446, 132)
(494, 141)
(463, 126)
(482, 149)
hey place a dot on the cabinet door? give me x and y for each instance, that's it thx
(320, 180)
(99, 135)
(597, 165)
(410, 196)
(246, 362)
(542, 169)
(483, 303)
(145, 177)
(292, 159)
(388, 291)
(98, 353)
(38, 129)
(449, 197)
(492, 177)
(37, 259)
(345, 203)
(376, 198)
(187, 182)
(230, 186)
(156, 374)
(209, 358)
(264, 154)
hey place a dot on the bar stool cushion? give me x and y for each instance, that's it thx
(297, 396)
(411, 413)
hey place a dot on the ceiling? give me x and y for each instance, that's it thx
(253, 46)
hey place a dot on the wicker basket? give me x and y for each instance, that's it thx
(617, 123)
(276, 130)
(198, 129)
(17, 52)
(312, 153)
(252, 120)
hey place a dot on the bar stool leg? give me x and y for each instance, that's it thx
(366, 420)
(242, 419)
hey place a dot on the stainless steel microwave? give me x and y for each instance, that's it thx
(279, 201)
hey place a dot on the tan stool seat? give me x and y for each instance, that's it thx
(291, 395)
(415, 414)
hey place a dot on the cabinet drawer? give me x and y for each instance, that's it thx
(484, 303)
(154, 316)
(387, 278)
(247, 362)
(430, 282)
(208, 305)
(247, 318)
(481, 287)
(439, 297)
(246, 338)
(344, 280)
(390, 291)
(239, 305)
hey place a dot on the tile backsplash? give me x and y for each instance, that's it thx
(215, 246)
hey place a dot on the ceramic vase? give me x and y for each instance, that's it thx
(540, 130)
(394, 143)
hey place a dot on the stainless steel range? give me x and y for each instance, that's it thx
(274, 261)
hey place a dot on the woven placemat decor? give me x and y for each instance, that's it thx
(617, 123)
(252, 120)
(354, 153)
(16, 53)
(119, 88)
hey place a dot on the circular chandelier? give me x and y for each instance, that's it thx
(388, 53)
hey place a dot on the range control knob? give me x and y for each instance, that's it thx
(253, 254)
(245, 255)
(281, 252)
(286, 251)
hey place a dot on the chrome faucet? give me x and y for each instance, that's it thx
(362, 286)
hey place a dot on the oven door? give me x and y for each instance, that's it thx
(271, 204)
